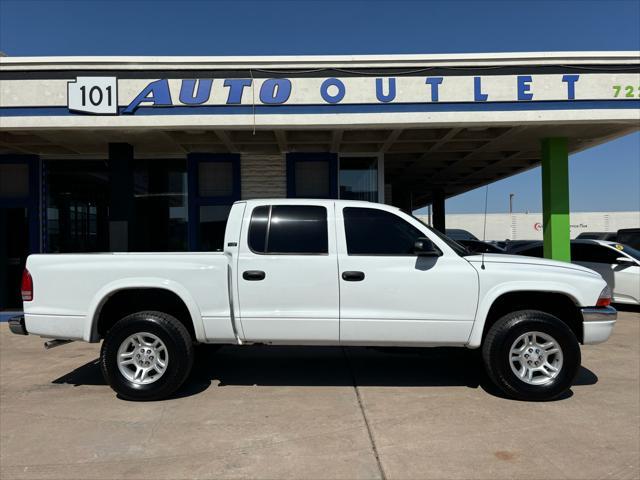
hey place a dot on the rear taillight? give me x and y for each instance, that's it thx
(604, 300)
(27, 286)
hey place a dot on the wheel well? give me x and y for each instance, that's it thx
(128, 301)
(556, 304)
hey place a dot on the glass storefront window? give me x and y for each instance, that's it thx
(14, 180)
(359, 178)
(76, 214)
(213, 221)
(215, 179)
(312, 179)
(217, 185)
(14, 248)
(312, 175)
(160, 206)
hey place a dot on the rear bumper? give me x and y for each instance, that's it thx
(17, 326)
(597, 324)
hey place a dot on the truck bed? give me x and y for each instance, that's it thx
(77, 286)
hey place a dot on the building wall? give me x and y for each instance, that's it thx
(263, 176)
(528, 226)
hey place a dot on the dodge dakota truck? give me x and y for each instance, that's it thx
(319, 272)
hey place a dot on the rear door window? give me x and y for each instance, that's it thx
(289, 229)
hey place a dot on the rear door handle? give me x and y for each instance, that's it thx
(353, 276)
(253, 275)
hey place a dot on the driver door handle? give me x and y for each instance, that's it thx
(353, 276)
(253, 275)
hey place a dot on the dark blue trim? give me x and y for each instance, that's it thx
(44, 216)
(343, 108)
(195, 201)
(30, 202)
(294, 158)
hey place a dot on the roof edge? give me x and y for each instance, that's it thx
(319, 61)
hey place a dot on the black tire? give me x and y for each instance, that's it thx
(496, 354)
(179, 346)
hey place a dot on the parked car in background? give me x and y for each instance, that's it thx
(618, 264)
(625, 236)
(629, 236)
(513, 246)
(610, 236)
(459, 234)
(478, 246)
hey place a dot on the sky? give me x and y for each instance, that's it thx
(604, 178)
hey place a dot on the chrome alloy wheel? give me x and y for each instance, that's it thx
(142, 358)
(535, 358)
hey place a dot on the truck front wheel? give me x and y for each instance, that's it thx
(146, 356)
(531, 355)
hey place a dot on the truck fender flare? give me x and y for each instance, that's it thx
(101, 297)
(489, 298)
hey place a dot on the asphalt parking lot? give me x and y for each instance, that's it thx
(267, 412)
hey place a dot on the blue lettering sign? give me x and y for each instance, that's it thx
(202, 94)
(324, 90)
(524, 86)
(236, 88)
(571, 85)
(157, 93)
(275, 90)
(434, 82)
(390, 95)
(478, 96)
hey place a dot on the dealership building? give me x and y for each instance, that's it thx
(148, 153)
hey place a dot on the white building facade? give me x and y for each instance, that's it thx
(149, 153)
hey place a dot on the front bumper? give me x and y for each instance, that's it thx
(597, 324)
(17, 326)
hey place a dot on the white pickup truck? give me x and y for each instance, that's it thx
(319, 272)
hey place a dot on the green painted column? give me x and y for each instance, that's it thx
(555, 198)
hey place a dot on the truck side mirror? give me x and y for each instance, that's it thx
(425, 248)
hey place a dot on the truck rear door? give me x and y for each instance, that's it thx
(288, 274)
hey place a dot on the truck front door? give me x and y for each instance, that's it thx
(288, 274)
(388, 294)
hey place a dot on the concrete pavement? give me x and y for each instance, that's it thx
(276, 412)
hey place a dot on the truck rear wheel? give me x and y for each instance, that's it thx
(531, 355)
(146, 356)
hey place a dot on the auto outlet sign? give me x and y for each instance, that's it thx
(114, 96)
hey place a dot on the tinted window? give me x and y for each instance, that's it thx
(629, 236)
(292, 229)
(376, 232)
(258, 229)
(592, 253)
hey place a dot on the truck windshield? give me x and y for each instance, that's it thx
(455, 246)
